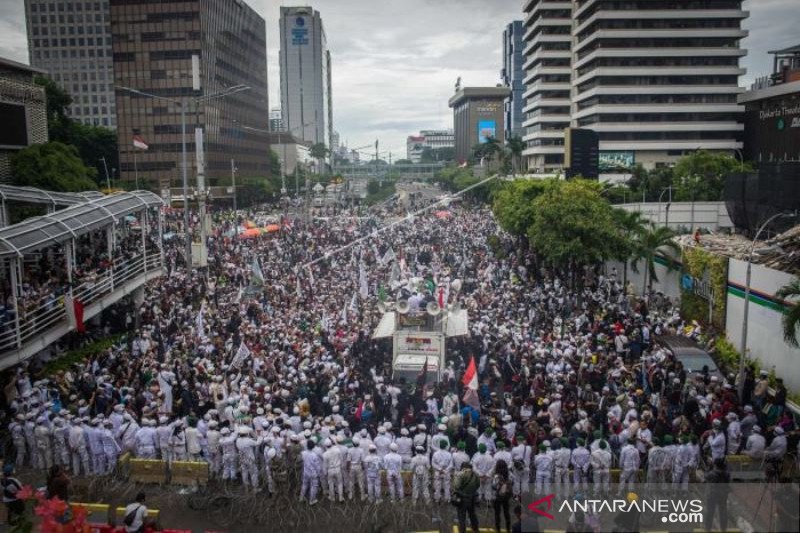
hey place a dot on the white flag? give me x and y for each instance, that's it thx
(343, 316)
(363, 288)
(297, 288)
(242, 355)
(258, 274)
(388, 256)
(200, 323)
(354, 303)
(311, 278)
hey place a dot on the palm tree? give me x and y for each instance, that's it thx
(652, 239)
(631, 226)
(319, 152)
(791, 317)
(516, 146)
(491, 148)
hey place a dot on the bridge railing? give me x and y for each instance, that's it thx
(52, 312)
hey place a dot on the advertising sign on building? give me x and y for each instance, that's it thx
(299, 32)
(486, 129)
(617, 161)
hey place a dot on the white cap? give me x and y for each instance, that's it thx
(393, 447)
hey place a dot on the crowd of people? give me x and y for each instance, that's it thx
(263, 365)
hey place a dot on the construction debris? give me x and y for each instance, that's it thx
(782, 252)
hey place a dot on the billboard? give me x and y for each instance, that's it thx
(617, 161)
(299, 32)
(15, 128)
(486, 129)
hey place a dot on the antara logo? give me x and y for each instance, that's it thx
(548, 500)
(796, 122)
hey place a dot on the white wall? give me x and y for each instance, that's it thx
(710, 215)
(765, 332)
(669, 281)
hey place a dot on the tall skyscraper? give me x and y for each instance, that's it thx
(547, 42)
(305, 75)
(72, 42)
(154, 43)
(656, 79)
(512, 75)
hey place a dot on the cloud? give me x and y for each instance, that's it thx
(395, 62)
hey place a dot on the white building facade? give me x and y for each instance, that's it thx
(72, 42)
(433, 139)
(305, 66)
(656, 79)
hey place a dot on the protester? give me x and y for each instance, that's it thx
(11, 488)
(135, 517)
(466, 494)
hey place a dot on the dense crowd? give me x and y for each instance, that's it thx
(264, 362)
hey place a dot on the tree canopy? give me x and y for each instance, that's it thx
(53, 166)
(513, 204)
(572, 224)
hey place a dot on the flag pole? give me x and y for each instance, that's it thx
(135, 169)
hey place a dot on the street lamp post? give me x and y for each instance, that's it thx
(669, 202)
(743, 345)
(183, 104)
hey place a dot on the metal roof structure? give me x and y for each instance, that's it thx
(33, 195)
(61, 226)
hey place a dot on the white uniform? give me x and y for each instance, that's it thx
(421, 469)
(333, 465)
(756, 443)
(483, 466)
(393, 463)
(442, 463)
(601, 465)
(543, 463)
(372, 468)
(355, 472)
(246, 446)
(581, 461)
(78, 450)
(629, 463)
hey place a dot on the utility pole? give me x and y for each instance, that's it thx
(233, 181)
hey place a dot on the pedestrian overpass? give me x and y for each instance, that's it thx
(418, 172)
(29, 325)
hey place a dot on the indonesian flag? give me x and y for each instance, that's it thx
(139, 143)
(470, 381)
(74, 310)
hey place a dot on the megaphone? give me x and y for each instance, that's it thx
(433, 308)
(402, 307)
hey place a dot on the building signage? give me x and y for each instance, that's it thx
(617, 161)
(777, 112)
(486, 129)
(299, 32)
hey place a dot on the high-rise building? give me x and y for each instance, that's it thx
(512, 75)
(72, 42)
(434, 139)
(305, 75)
(275, 119)
(23, 107)
(656, 79)
(335, 141)
(477, 117)
(547, 42)
(154, 46)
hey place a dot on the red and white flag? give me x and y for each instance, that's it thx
(470, 381)
(139, 143)
(74, 310)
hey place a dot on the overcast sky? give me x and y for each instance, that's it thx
(395, 62)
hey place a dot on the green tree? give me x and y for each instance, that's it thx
(572, 226)
(651, 240)
(319, 152)
(93, 142)
(53, 166)
(700, 176)
(273, 164)
(631, 225)
(403, 162)
(791, 317)
(513, 204)
(515, 147)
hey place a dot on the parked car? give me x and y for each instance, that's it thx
(690, 354)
